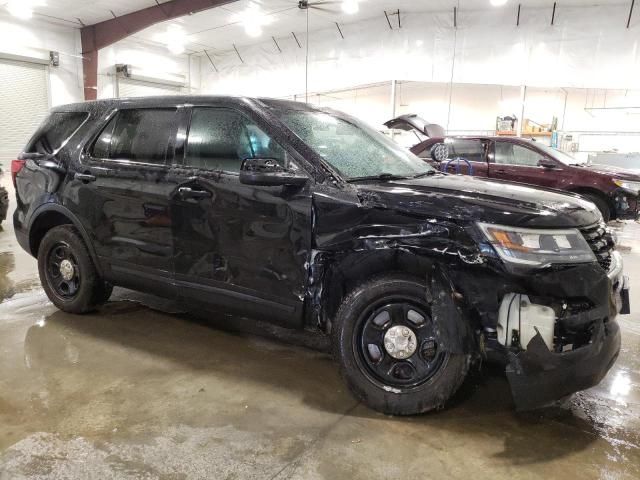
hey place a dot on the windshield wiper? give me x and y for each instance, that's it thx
(426, 174)
(383, 177)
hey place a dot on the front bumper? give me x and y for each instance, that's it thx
(538, 376)
(586, 301)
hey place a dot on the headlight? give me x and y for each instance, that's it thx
(534, 247)
(631, 187)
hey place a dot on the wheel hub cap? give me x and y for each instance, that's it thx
(66, 270)
(400, 342)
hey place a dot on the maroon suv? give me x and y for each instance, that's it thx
(614, 190)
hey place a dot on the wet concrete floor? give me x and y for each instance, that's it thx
(139, 390)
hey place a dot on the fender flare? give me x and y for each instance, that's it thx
(57, 208)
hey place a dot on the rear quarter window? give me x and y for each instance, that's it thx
(137, 135)
(55, 131)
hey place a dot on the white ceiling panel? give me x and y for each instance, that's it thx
(91, 11)
(215, 29)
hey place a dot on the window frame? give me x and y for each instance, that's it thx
(171, 142)
(493, 154)
(483, 143)
(185, 130)
(87, 115)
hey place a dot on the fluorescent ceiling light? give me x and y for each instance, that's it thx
(175, 38)
(252, 19)
(498, 3)
(350, 6)
(23, 8)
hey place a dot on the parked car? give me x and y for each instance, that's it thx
(308, 218)
(614, 190)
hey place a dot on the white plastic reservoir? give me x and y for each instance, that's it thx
(519, 314)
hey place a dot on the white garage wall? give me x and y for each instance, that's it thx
(587, 47)
(147, 60)
(35, 38)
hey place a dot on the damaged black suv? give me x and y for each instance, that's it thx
(307, 218)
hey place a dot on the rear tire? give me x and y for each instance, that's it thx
(67, 273)
(602, 205)
(412, 376)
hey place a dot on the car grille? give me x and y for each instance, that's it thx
(601, 242)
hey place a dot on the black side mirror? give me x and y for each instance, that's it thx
(268, 173)
(545, 163)
(440, 152)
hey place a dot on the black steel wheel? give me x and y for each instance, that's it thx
(67, 272)
(393, 353)
(398, 344)
(63, 273)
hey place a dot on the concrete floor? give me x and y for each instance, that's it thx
(139, 390)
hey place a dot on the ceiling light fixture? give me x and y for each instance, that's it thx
(175, 38)
(252, 19)
(350, 6)
(23, 9)
(498, 3)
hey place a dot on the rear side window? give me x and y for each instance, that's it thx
(55, 131)
(467, 148)
(141, 135)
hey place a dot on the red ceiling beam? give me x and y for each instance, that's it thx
(100, 35)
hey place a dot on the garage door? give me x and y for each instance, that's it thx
(137, 88)
(24, 104)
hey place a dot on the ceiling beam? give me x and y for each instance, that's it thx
(100, 35)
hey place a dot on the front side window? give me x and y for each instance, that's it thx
(467, 148)
(55, 131)
(513, 154)
(353, 149)
(140, 136)
(220, 139)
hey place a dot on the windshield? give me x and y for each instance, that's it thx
(351, 148)
(559, 155)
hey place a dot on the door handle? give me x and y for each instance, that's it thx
(84, 177)
(500, 170)
(186, 192)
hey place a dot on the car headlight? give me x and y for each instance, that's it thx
(535, 247)
(631, 187)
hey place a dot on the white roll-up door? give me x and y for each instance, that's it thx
(136, 88)
(24, 104)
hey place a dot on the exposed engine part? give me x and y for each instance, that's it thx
(519, 320)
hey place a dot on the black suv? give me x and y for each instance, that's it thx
(310, 219)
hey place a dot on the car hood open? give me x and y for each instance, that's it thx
(464, 198)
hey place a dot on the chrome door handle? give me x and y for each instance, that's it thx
(85, 177)
(186, 192)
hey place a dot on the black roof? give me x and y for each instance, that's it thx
(159, 101)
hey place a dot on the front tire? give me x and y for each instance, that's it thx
(392, 354)
(67, 273)
(602, 205)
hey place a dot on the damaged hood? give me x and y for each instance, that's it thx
(470, 199)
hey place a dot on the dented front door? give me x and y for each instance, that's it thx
(238, 246)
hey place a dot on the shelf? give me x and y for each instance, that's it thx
(513, 133)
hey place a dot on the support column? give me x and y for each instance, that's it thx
(90, 72)
(103, 34)
(523, 99)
